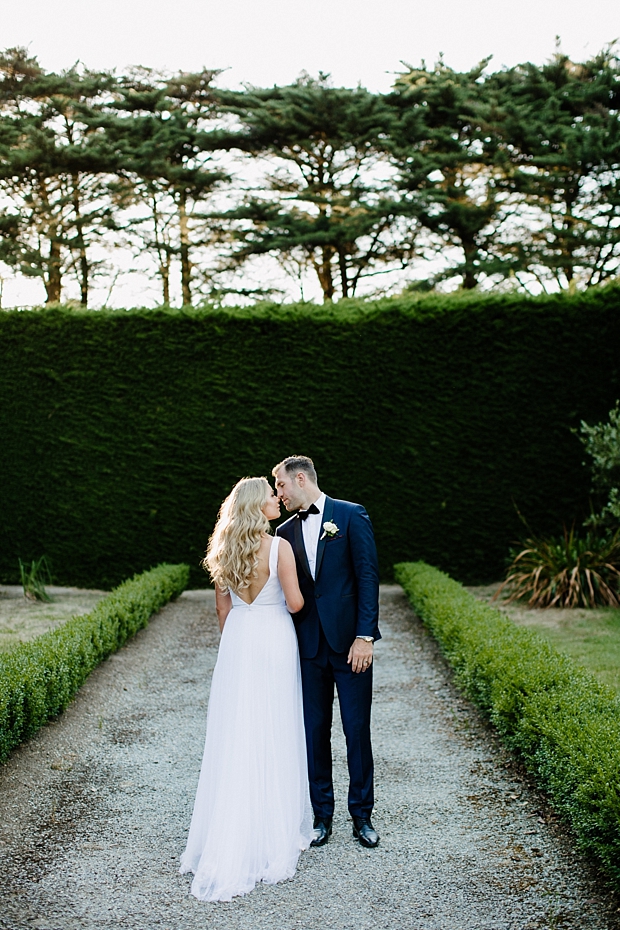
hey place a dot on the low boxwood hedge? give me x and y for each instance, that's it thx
(563, 723)
(39, 678)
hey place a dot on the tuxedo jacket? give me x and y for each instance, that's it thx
(343, 598)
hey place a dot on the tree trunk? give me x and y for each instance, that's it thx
(163, 254)
(54, 274)
(344, 279)
(470, 279)
(84, 270)
(567, 246)
(565, 243)
(323, 269)
(186, 268)
(164, 271)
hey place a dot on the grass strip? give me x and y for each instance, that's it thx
(562, 722)
(38, 679)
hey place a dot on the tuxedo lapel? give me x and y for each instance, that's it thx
(300, 547)
(328, 511)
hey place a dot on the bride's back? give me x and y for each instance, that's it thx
(258, 582)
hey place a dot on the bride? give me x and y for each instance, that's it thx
(252, 814)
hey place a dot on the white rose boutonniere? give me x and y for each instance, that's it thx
(329, 529)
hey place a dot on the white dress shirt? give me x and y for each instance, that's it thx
(311, 529)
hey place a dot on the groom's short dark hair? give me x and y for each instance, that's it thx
(294, 463)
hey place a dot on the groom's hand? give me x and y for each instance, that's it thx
(360, 655)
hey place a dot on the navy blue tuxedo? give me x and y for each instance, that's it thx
(340, 603)
(343, 599)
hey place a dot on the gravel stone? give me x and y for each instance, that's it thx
(95, 809)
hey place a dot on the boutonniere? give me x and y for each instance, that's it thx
(329, 529)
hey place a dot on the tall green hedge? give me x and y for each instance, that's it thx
(564, 723)
(121, 432)
(38, 679)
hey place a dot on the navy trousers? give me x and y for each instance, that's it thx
(318, 677)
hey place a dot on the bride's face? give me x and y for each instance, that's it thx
(271, 507)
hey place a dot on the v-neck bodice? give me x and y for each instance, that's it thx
(271, 594)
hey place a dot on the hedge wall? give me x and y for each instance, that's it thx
(122, 431)
(564, 724)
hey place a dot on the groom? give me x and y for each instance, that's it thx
(338, 575)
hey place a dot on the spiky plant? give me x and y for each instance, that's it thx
(570, 571)
(34, 577)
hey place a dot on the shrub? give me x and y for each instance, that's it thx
(602, 443)
(453, 409)
(572, 571)
(39, 678)
(564, 724)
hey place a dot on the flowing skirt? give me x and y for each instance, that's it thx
(252, 814)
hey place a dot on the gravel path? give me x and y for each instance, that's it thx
(95, 809)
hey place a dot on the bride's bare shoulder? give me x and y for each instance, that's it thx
(265, 546)
(285, 549)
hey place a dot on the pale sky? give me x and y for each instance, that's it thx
(265, 42)
(270, 41)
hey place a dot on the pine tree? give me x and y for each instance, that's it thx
(163, 157)
(54, 171)
(322, 203)
(560, 126)
(453, 176)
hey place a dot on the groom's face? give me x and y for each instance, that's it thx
(289, 489)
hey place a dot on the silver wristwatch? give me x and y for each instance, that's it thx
(367, 639)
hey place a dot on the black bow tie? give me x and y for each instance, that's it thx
(303, 514)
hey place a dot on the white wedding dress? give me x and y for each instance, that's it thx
(252, 814)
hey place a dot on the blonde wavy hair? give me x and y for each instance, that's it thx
(232, 553)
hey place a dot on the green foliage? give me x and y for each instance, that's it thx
(54, 171)
(564, 724)
(80, 147)
(602, 444)
(34, 577)
(560, 131)
(507, 176)
(156, 131)
(452, 173)
(326, 207)
(568, 571)
(38, 679)
(578, 570)
(122, 432)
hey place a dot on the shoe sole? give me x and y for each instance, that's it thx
(364, 842)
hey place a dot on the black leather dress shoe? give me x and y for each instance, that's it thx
(364, 831)
(322, 831)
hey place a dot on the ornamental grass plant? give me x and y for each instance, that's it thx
(578, 569)
(570, 571)
(33, 579)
